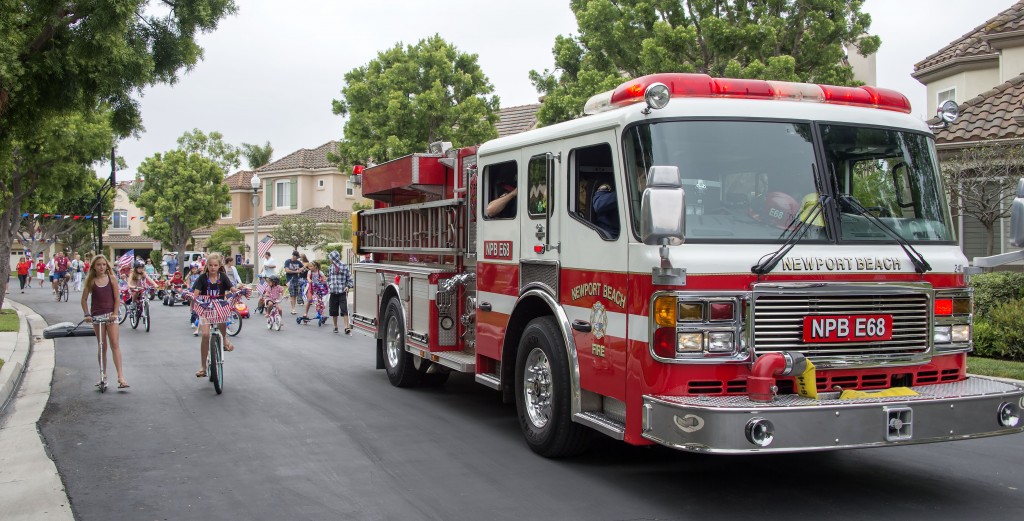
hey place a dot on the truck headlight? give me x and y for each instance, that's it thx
(721, 342)
(690, 342)
(961, 333)
(942, 334)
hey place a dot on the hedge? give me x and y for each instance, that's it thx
(1001, 333)
(994, 288)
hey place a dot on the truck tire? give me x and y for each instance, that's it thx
(543, 394)
(397, 362)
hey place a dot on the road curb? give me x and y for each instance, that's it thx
(31, 488)
(15, 357)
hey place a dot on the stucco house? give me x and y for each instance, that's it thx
(983, 71)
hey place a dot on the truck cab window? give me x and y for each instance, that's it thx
(593, 200)
(500, 187)
(537, 199)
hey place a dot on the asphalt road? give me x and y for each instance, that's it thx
(308, 429)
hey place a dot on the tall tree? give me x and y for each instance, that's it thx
(410, 96)
(211, 146)
(982, 182)
(298, 232)
(256, 155)
(59, 58)
(181, 191)
(792, 40)
(48, 166)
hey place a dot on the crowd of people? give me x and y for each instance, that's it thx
(101, 283)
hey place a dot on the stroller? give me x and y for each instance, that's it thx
(319, 290)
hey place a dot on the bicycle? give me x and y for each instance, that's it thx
(319, 290)
(125, 305)
(273, 315)
(217, 311)
(138, 308)
(62, 289)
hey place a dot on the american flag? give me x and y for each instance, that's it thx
(264, 245)
(125, 261)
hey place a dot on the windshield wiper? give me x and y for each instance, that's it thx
(767, 263)
(920, 265)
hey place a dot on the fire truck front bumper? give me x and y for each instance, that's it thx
(973, 408)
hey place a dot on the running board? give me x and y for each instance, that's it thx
(601, 423)
(462, 361)
(489, 380)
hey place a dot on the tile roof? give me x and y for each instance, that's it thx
(239, 180)
(513, 120)
(974, 44)
(992, 114)
(126, 239)
(304, 159)
(322, 215)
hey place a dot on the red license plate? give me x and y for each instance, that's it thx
(847, 328)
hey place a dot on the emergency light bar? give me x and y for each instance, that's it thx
(685, 85)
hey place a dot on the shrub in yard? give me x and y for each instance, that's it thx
(996, 287)
(1001, 333)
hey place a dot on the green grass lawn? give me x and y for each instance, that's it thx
(8, 320)
(992, 367)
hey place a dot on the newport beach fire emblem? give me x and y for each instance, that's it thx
(599, 319)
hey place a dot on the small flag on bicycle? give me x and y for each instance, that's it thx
(264, 245)
(126, 260)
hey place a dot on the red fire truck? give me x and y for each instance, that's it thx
(669, 268)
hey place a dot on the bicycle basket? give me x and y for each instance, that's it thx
(215, 311)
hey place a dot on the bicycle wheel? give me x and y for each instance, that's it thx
(122, 313)
(235, 324)
(216, 363)
(135, 316)
(277, 323)
(145, 315)
(63, 292)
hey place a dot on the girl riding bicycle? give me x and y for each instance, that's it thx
(315, 287)
(103, 288)
(213, 283)
(272, 299)
(139, 280)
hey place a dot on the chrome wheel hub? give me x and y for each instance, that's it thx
(393, 342)
(537, 388)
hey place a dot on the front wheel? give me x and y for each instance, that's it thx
(145, 315)
(397, 361)
(63, 293)
(235, 324)
(216, 364)
(122, 313)
(543, 393)
(136, 315)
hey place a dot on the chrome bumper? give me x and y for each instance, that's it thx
(719, 424)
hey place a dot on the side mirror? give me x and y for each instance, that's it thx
(1017, 217)
(663, 207)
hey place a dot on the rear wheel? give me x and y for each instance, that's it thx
(235, 324)
(216, 364)
(397, 361)
(543, 393)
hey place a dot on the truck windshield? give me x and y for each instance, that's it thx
(745, 181)
(750, 181)
(894, 175)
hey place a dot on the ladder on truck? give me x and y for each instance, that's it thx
(424, 228)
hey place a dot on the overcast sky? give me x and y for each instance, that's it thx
(271, 71)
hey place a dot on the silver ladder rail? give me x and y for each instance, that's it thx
(425, 228)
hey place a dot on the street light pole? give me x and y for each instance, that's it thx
(255, 183)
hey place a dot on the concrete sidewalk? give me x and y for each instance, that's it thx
(30, 487)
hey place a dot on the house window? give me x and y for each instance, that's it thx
(283, 192)
(350, 187)
(320, 184)
(945, 95)
(227, 213)
(120, 220)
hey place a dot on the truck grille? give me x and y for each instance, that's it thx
(778, 319)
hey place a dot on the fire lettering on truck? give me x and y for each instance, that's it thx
(841, 264)
(596, 289)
